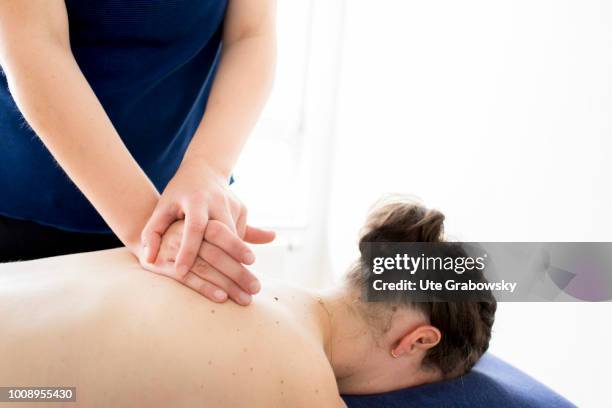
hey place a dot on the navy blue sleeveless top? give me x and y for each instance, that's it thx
(151, 64)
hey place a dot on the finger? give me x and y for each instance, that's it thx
(235, 207)
(193, 235)
(224, 215)
(221, 236)
(205, 287)
(241, 222)
(228, 266)
(155, 228)
(254, 235)
(207, 272)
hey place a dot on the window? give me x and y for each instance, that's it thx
(269, 177)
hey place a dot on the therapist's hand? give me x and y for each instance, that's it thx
(217, 253)
(197, 193)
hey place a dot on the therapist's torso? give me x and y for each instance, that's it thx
(151, 64)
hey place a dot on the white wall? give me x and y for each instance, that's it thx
(498, 113)
(564, 345)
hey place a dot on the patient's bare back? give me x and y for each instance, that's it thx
(126, 337)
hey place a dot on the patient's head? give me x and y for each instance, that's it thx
(428, 340)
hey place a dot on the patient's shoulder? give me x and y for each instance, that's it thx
(314, 387)
(295, 354)
(274, 355)
(300, 376)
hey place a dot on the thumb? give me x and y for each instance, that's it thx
(154, 230)
(254, 235)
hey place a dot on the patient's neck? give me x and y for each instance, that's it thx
(362, 361)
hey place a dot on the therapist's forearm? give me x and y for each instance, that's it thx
(58, 103)
(240, 89)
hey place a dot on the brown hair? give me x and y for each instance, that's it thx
(465, 326)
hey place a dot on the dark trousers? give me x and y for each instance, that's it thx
(23, 240)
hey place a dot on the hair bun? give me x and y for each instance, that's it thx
(402, 220)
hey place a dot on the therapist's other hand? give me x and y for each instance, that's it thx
(197, 193)
(205, 277)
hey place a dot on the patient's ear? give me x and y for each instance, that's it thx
(420, 339)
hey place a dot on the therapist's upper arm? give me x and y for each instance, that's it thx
(249, 18)
(28, 24)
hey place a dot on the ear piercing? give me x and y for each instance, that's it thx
(393, 354)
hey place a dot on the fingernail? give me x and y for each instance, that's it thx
(219, 295)
(248, 258)
(254, 287)
(244, 298)
(182, 270)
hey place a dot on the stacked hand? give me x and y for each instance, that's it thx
(197, 235)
